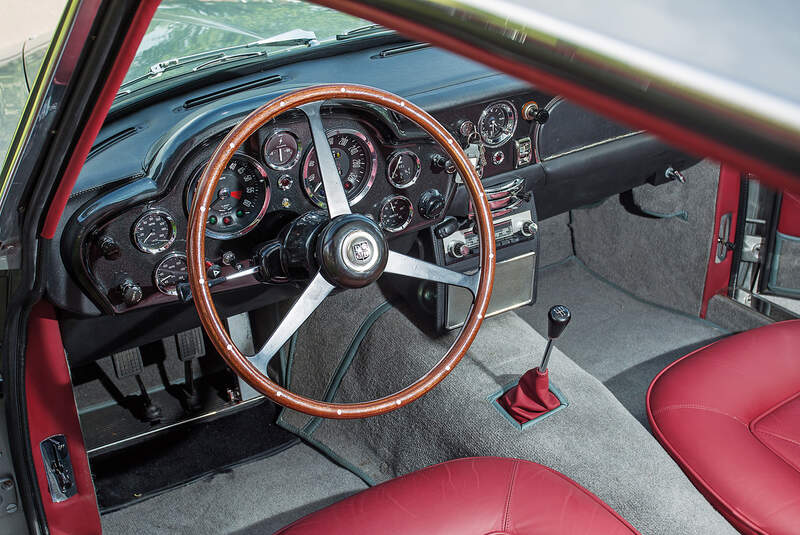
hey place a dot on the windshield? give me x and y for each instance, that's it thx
(184, 27)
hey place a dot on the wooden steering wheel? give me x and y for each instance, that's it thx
(329, 246)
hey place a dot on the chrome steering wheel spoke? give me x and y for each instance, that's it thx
(408, 266)
(335, 196)
(306, 304)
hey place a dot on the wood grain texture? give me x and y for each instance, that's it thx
(214, 326)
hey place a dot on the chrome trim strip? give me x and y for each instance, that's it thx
(222, 410)
(592, 145)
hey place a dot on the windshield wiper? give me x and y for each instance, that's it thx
(220, 55)
(362, 31)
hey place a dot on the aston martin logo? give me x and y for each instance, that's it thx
(361, 250)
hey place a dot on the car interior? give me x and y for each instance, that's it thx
(181, 255)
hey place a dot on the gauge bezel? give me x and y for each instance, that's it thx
(410, 213)
(397, 154)
(173, 231)
(293, 161)
(189, 196)
(158, 266)
(372, 173)
(506, 137)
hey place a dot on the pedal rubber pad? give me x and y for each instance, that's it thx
(128, 363)
(186, 345)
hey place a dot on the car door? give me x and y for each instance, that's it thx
(782, 256)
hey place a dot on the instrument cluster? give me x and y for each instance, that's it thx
(391, 173)
(272, 178)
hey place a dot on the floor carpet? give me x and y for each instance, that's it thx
(594, 439)
(620, 339)
(257, 498)
(185, 453)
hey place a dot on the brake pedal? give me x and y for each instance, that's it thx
(187, 346)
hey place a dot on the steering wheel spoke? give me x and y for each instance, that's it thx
(305, 305)
(335, 196)
(408, 266)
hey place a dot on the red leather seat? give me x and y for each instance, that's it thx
(479, 495)
(729, 414)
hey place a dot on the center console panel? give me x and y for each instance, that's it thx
(517, 241)
(455, 245)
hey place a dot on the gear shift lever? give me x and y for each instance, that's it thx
(557, 320)
(532, 397)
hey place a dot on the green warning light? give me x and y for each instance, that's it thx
(212, 220)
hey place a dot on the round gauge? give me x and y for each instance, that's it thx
(240, 200)
(282, 150)
(497, 123)
(356, 161)
(403, 169)
(154, 231)
(396, 213)
(170, 272)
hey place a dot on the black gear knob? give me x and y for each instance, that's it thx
(557, 320)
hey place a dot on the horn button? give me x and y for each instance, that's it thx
(352, 251)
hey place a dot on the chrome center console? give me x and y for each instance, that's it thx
(455, 245)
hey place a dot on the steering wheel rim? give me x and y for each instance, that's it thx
(480, 284)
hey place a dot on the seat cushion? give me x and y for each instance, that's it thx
(729, 414)
(479, 495)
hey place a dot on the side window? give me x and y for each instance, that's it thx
(25, 31)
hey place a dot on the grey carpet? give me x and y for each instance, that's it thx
(733, 315)
(595, 440)
(621, 340)
(662, 260)
(555, 239)
(254, 499)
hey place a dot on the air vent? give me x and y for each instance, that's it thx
(210, 97)
(389, 52)
(503, 198)
(111, 140)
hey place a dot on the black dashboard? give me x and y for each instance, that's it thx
(124, 240)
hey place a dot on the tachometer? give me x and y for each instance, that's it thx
(170, 272)
(497, 123)
(154, 231)
(356, 161)
(403, 169)
(240, 199)
(396, 213)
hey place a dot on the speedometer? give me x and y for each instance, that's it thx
(497, 123)
(240, 199)
(356, 162)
